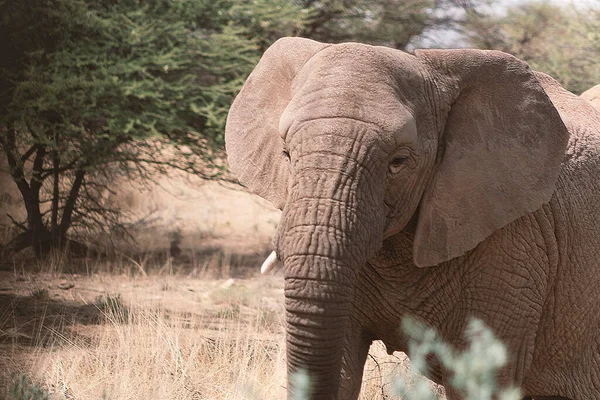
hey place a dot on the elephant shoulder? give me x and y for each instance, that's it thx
(593, 96)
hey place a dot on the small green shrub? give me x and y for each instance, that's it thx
(23, 388)
(301, 383)
(40, 294)
(231, 311)
(113, 308)
(473, 371)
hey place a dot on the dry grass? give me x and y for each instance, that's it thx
(144, 327)
(153, 353)
(158, 337)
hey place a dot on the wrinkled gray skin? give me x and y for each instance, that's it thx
(445, 185)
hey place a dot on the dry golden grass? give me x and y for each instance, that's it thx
(158, 337)
(127, 330)
(231, 351)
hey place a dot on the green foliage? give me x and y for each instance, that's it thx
(40, 293)
(268, 20)
(553, 39)
(592, 28)
(23, 388)
(93, 90)
(125, 70)
(114, 308)
(472, 372)
(394, 23)
(301, 384)
(230, 54)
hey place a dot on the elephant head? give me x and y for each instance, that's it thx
(356, 143)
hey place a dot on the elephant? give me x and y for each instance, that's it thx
(444, 184)
(593, 96)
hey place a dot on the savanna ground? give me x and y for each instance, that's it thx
(202, 325)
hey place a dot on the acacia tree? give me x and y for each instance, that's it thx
(91, 89)
(393, 23)
(553, 39)
(592, 27)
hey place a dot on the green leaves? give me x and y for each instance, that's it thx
(556, 40)
(301, 383)
(102, 89)
(393, 23)
(472, 371)
(136, 69)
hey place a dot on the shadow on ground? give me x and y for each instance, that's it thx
(210, 262)
(32, 320)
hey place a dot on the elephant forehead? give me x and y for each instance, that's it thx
(331, 101)
(349, 135)
(379, 108)
(340, 144)
(348, 81)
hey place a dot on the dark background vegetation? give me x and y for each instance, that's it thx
(92, 91)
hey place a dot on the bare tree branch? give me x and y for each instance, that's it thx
(28, 153)
(20, 225)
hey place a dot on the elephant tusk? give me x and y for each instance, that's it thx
(269, 264)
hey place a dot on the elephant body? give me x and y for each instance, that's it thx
(593, 96)
(443, 185)
(541, 299)
(534, 281)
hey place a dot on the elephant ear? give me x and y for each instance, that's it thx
(252, 140)
(500, 151)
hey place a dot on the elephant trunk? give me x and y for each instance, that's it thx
(321, 260)
(331, 224)
(317, 313)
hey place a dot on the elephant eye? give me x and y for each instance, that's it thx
(397, 163)
(286, 154)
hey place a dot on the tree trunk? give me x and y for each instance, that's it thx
(42, 239)
(70, 203)
(56, 187)
(36, 235)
